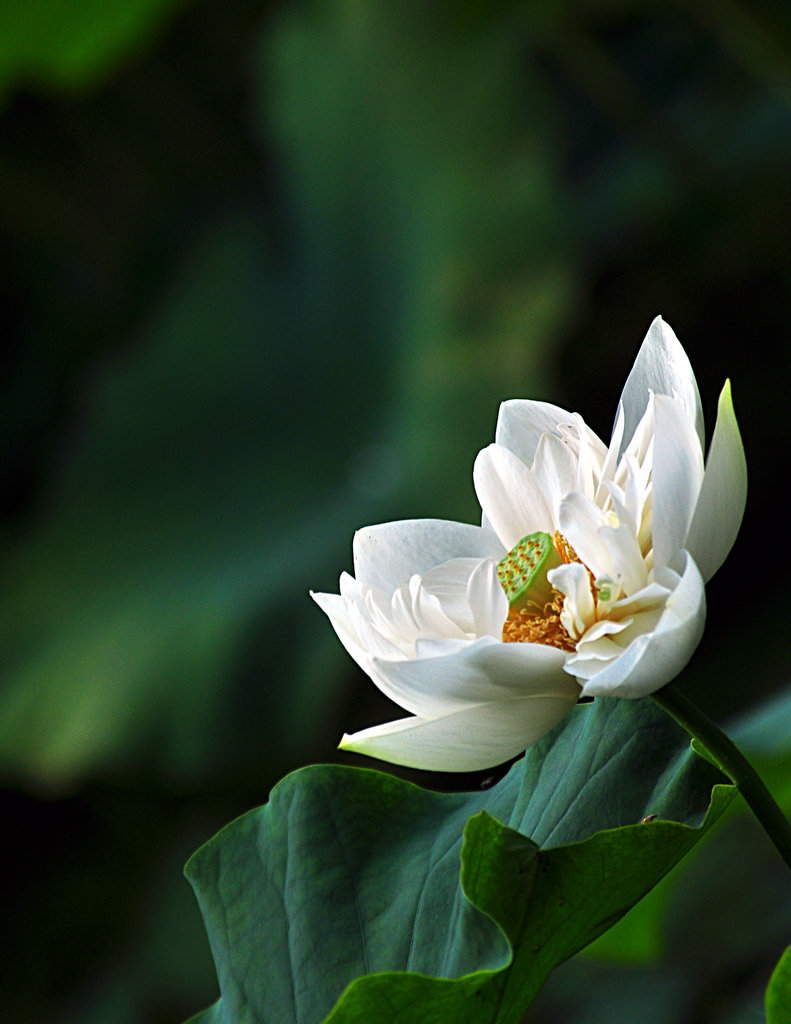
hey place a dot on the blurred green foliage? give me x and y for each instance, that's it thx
(267, 270)
(73, 44)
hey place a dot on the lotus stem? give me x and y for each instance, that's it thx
(727, 756)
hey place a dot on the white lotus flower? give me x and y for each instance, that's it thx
(615, 542)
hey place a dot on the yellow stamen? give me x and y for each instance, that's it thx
(563, 548)
(528, 626)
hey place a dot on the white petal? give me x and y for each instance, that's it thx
(630, 495)
(509, 495)
(487, 601)
(651, 596)
(580, 523)
(376, 636)
(521, 422)
(433, 617)
(655, 658)
(591, 456)
(450, 582)
(555, 469)
(723, 494)
(610, 461)
(336, 608)
(661, 366)
(388, 555)
(469, 738)
(641, 444)
(602, 628)
(677, 476)
(396, 617)
(474, 672)
(626, 560)
(579, 610)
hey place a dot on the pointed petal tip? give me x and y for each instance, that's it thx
(662, 367)
(723, 494)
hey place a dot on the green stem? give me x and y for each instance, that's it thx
(735, 765)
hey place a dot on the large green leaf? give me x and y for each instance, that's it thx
(349, 877)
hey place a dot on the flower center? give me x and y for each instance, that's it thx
(534, 604)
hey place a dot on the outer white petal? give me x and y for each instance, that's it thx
(362, 641)
(655, 658)
(677, 476)
(363, 644)
(467, 738)
(661, 366)
(510, 495)
(722, 498)
(473, 672)
(388, 555)
(521, 422)
(337, 611)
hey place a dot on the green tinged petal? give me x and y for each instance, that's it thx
(723, 494)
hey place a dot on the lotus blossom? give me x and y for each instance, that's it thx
(586, 577)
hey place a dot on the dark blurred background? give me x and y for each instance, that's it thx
(267, 270)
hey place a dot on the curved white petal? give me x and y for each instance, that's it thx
(630, 497)
(591, 457)
(468, 738)
(510, 495)
(603, 628)
(555, 470)
(521, 422)
(433, 616)
(723, 494)
(334, 607)
(580, 523)
(627, 563)
(579, 610)
(337, 611)
(677, 476)
(655, 658)
(472, 672)
(388, 554)
(487, 601)
(469, 594)
(661, 367)
(610, 462)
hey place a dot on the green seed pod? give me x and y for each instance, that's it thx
(523, 571)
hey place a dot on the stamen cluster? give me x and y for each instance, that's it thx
(531, 621)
